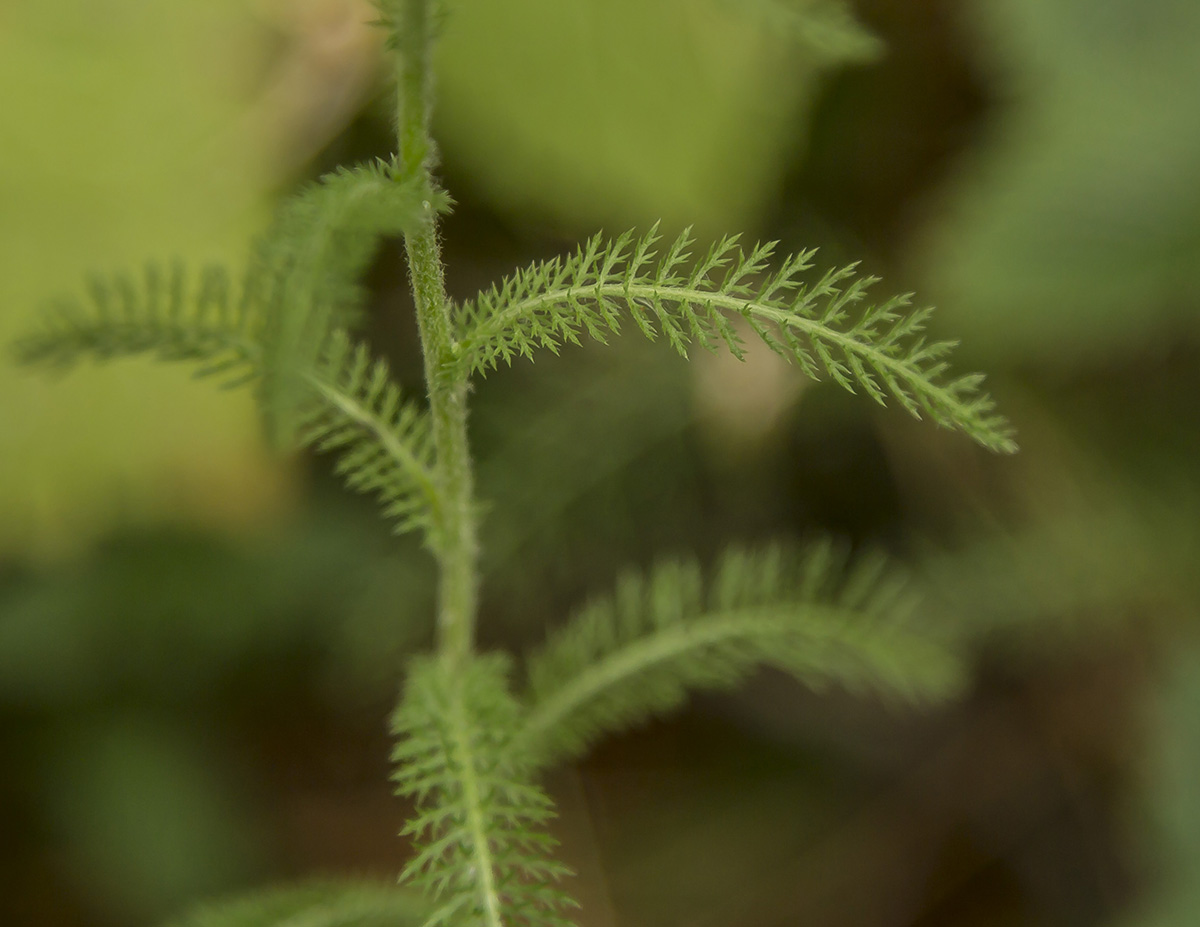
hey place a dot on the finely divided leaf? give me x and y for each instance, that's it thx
(347, 403)
(166, 314)
(482, 854)
(310, 262)
(636, 654)
(384, 443)
(823, 325)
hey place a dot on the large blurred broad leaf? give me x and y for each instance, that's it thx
(119, 140)
(626, 111)
(1077, 228)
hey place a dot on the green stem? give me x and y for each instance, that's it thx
(455, 541)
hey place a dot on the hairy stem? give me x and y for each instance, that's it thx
(456, 545)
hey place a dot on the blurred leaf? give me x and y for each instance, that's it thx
(627, 111)
(117, 146)
(143, 818)
(1109, 551)
(1077, 227)
(318, 904)
(1065, 581)
(551, 441)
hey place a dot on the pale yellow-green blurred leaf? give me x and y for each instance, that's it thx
(120, 141)
(625, 111)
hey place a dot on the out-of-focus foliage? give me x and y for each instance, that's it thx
(571, 456)
(114, 145)
(1070, 580)
(1078, 231)
(630, 111)
(171, 616)
(131, 131)
(1173, 791)
(1075, 228)
(818, 323)
(826, 30)
(283, 330)
(623, 660)
(146, 810)
(1069, 245)
(118, 675)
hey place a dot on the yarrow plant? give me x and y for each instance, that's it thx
(471, 742)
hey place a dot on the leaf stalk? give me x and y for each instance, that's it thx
(456, 537)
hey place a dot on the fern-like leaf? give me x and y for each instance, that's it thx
(308, 267)
(626, 658)
(483, 856)
(165, 314)
(384, 443)
(348, 404)
(819, 325)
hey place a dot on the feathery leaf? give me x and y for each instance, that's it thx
(349, 404)
(626, 658)
(384, 443)
(818, 325)
(164, 314)
(300, 285)
(482, 855)
(309, 265)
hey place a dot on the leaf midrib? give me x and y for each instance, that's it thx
(911, 374)
(670, 643)
(484, 874)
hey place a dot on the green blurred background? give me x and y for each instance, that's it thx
(199, 643)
